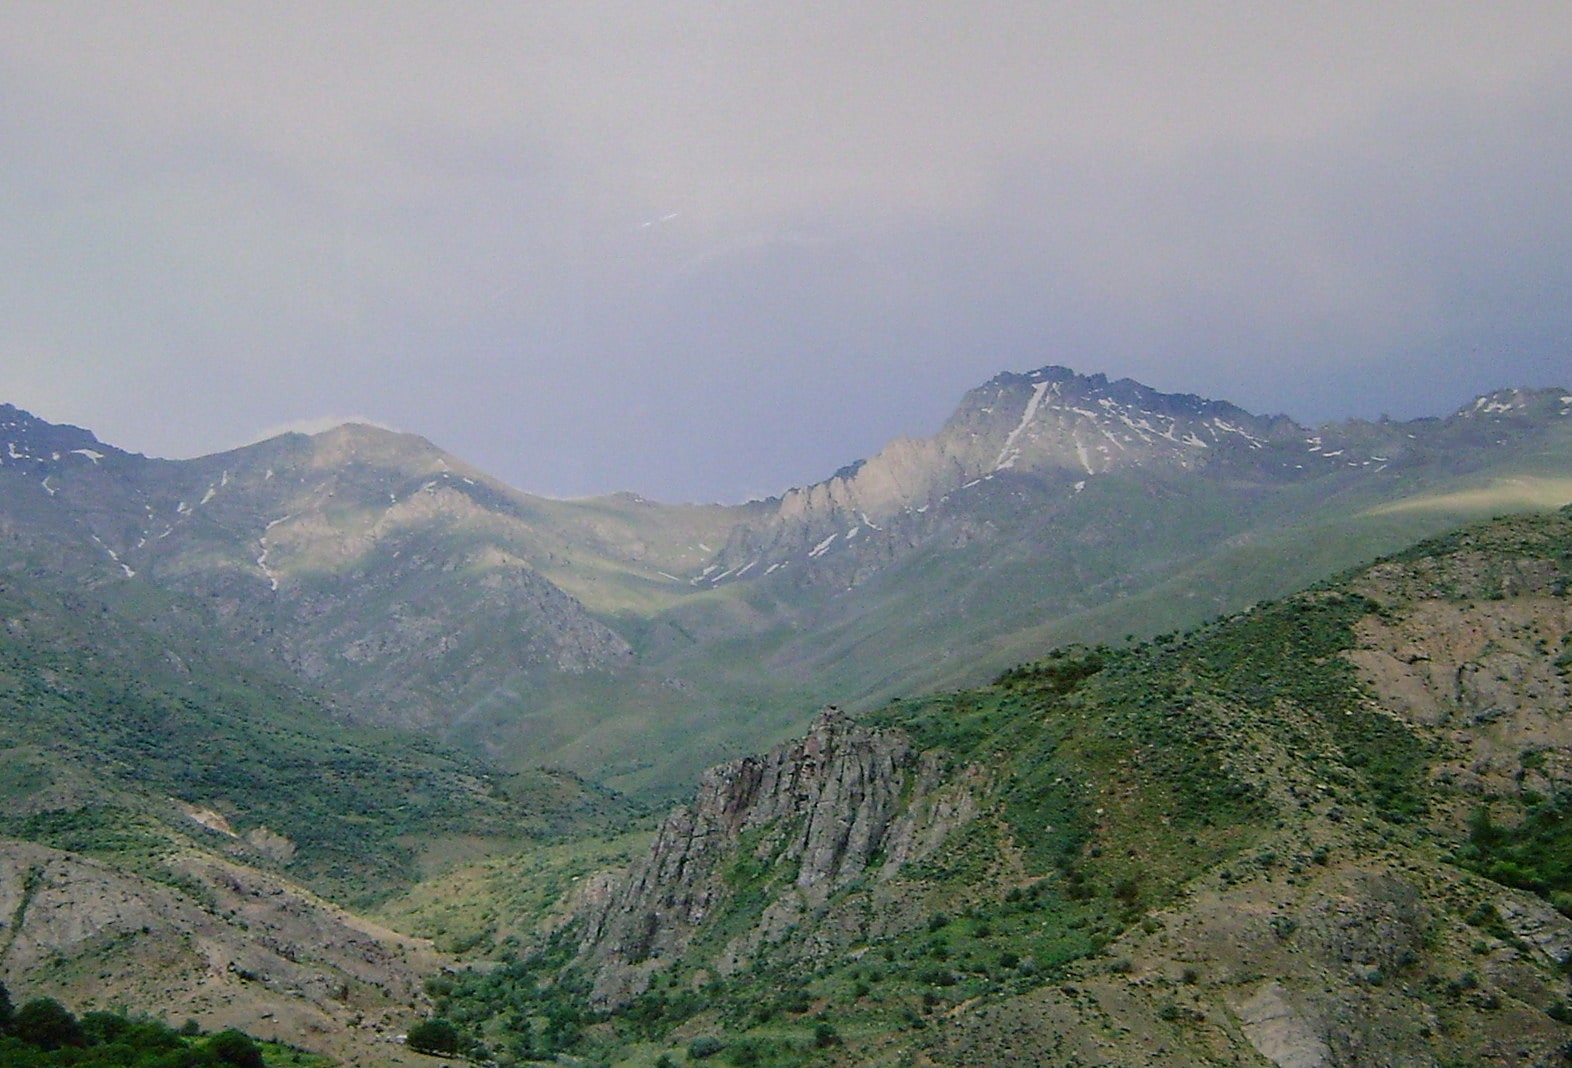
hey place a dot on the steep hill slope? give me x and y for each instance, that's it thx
(1328, 831)
(163, 809)
(118, 741)
(166, 799)
(212, 941)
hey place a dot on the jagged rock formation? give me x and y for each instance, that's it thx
(809, 818)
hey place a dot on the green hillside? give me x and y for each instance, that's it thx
(120, 741)
(1330, 824)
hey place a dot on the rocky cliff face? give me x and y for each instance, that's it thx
(1481, 650)
(775, 837)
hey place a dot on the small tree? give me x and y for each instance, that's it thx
(704, 1046)
(47, 1024)
(236, 1048)
(436, 1036)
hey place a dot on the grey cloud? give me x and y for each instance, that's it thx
(248, 216)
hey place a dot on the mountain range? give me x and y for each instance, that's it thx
(242, 692)
(638, 642)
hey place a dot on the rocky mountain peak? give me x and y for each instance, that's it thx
(376, 446)
(1049, 424)
(1056, 419)
(1518, 403)
(30, 443)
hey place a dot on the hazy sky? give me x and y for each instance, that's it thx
(707, 251)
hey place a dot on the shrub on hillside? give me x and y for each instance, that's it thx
(436, 1036)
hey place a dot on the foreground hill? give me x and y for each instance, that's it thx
(637, 642)
(1327, 831)
(207, 939)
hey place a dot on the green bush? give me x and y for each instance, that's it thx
(704, 1046)
(436, 1036)
(235, 1048)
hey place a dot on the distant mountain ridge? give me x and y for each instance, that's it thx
(636, 642)
(1060, 426)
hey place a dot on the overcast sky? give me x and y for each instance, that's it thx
(711, 250)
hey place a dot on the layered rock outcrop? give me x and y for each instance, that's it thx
(776, 836)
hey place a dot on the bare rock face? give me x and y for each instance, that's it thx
(1475, 652)
(806, 820)
(1280, 1032)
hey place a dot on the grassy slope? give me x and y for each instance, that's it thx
(1130, 793)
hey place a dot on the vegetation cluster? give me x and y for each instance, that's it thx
(43, 1033)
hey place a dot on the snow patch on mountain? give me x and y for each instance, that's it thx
(1009, 453)
(272, 578)
(823, 546)
(114, 556)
